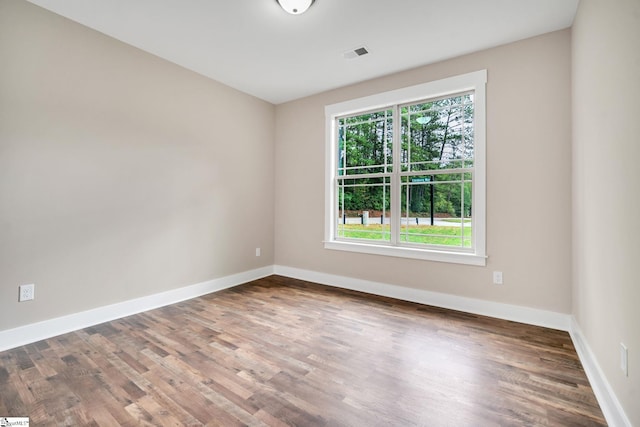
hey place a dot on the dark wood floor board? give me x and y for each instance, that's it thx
(197, 380)
(327, 402)
(269, 419)
(181, 399)
(284, 352)
(159, 415)
(139, 415)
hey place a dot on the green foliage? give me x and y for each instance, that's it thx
(435, 136)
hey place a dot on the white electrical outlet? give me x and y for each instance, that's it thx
(257, 251)
(497, 277)
(27, 292)
(624, 359)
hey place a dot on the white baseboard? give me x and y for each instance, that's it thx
(531, 316)
(609, 403)
(27, 334)
(611, 408)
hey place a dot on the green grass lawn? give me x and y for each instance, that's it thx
(425, 234)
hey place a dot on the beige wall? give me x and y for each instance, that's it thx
(606, 184)
(528, 180)
(121, 175)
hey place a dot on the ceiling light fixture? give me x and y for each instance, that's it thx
(295, 7)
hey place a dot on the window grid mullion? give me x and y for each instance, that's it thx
(397, 175)
(386, 166)
(396, 200)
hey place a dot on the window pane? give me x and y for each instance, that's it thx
(364, 209)
(436, 210)
(414, 158)
(437, 134)
(364, 143)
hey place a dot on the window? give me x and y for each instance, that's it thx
(406, 172)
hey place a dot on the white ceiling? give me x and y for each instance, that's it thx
(256, 47)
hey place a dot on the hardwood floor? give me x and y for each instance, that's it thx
(280, 351)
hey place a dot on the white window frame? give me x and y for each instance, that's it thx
(475, 81)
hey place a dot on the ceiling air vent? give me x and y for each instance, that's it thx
(350, 54)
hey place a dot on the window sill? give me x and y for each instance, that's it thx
(412, 253)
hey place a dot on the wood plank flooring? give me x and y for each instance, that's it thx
(280, 352)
